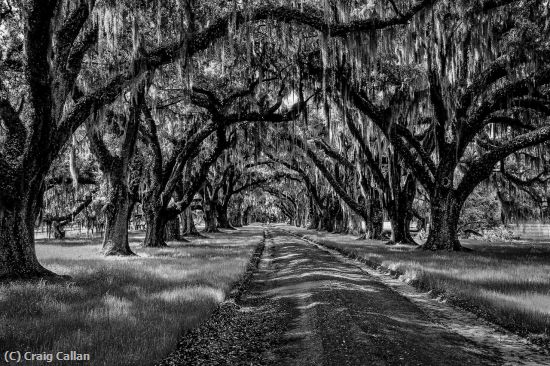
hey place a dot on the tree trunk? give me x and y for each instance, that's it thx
(245, 218)
(313, 216)
(189, 228)
(339, 220)
(209, 208)
(172, 230)
(337, 228)
(400, 217)
(297, 219)
(131, 206)
(400, 225)
(210, 222)
(326, 221)
(223, 221)
(236, 217)
(237, 220)
(400, 211)
(445, 212)
(184, 219)
(313, 222)
(58, 230)
(117, 212)
(376, 219)
(17, 252)
(154, 234)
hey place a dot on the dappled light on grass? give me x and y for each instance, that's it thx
(526, 301)
(122, 311)
(189, 293)
(508, 282)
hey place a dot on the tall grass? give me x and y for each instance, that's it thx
(121, 311)
(506, 282)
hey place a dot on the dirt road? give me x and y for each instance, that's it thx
(310, 306)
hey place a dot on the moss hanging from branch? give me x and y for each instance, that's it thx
(73, 168)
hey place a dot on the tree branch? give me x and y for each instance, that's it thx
(70, 217)
(16, 132)
(330, 152)
(100, 150)
(69, 31)
(482, 168)
(198, 179)
(498, 100)
(379, 177)
(520, 182)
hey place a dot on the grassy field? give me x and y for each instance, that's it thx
(508, 283)
(122, 311)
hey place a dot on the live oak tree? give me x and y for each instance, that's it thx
(166, 172)
(507, 91)
(116, 169)
(55, 42)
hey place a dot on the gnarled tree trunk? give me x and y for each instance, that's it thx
(237, 220)
(326, 222)
(400, 213)
(17, 253)
(210, 222)
(375, 223)
(297, 220)
(246, 216)
(339, 222)
(172, 230)
(118, 207)
(313, 216)
(189, 228)
(400, 225)
(155, 226)
(445, 213)
(223, 220)
(117, 217)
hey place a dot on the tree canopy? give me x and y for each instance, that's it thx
(337, 114)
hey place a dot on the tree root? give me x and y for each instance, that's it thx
(409, 242)
(161, 245)
(112, 252)
(36, 275)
